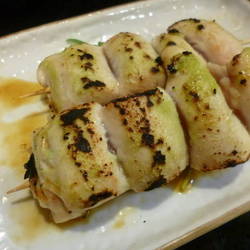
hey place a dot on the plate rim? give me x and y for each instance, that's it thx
(203, 228)
(207, 227)
(69, 19)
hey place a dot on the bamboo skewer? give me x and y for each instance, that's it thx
(23, 186)
(38, 92)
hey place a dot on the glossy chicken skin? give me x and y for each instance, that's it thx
(217, 139)
(208, 38)
(77, 75)
(75, 168)
(134, 62)
(146, 132)
(238, 91)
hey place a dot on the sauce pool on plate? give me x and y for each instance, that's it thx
(16, 136)
(15, 148)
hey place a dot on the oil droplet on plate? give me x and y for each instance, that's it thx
(120, 220)
(184, 182)
(187, 179)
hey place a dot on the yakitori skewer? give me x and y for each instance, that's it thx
(217, 138)
(90, 154)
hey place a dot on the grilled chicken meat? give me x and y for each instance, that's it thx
(78, 75)
(146, 131)
(134, 62)
(221, 49)
(208, 38)
(165, 41)
(238, 89)
(217, 139)
(75, 168)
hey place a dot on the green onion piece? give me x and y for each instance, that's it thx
(73, 41)
(100, 43)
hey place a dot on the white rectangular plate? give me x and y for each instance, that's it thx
(134, 221)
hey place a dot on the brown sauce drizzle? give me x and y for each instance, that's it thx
(15, 137)
(30, 220)
(184, 182)
(187, 179)
(15, 142)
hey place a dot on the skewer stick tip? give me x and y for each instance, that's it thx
(23, 186)
(35, 93)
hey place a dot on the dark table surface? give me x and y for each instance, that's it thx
(21, 14)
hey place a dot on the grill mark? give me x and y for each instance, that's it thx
(95, 198)
(146, 93)
(82, 144)
(30, 167)
(69, 117)
(171, 68)
(86, 56)
(171, 43)
(159, 158)
(147, 139)
(94, 84)
(173, 31)
(156, 183)
(158, 60)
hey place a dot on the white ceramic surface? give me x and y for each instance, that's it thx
(149, 219)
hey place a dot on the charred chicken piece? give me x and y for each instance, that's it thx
(79, 74)
(75, 170)
(146, 132)
(134, 62)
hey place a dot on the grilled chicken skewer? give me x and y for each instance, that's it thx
(74, 165)
(81, 74)
(90, 154)
(217, 139)
(77, 165)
